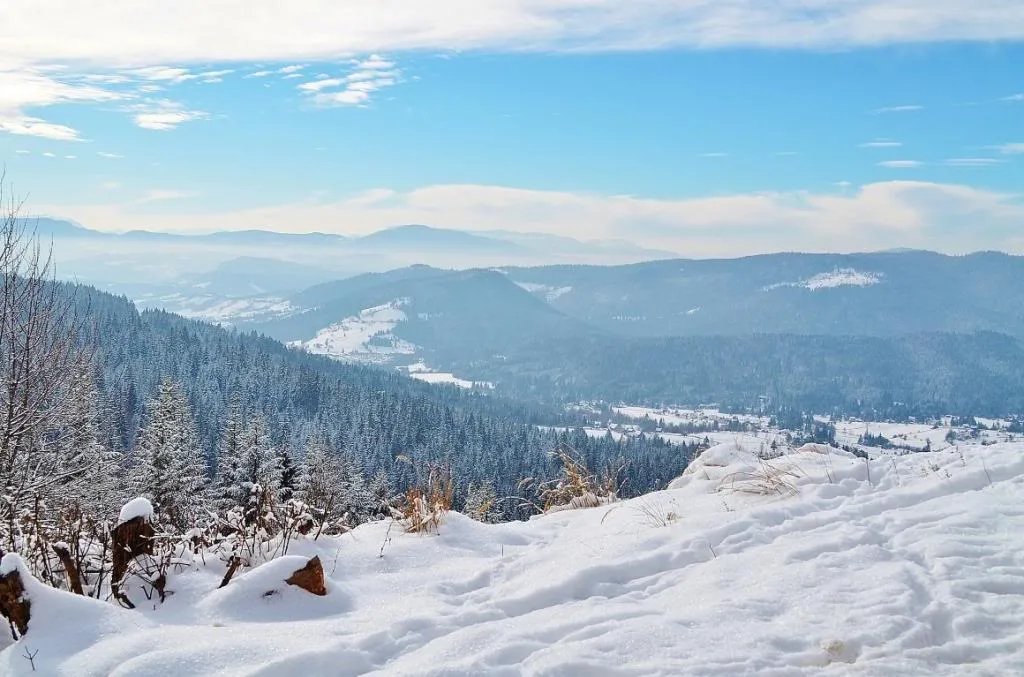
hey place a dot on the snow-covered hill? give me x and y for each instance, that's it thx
(814, 563)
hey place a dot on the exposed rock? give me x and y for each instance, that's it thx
(310, 578)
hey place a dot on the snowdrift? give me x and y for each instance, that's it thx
(902, 565)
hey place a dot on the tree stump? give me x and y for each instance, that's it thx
(130, 539)
(74, 577)
(14, 604)
(310, 578)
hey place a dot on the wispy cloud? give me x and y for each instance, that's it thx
(787, 153)
(163, 115)
(972, 162)
(22, 151)
(881, 143)
(901, 164)
(714, 154)
(160, 194)
(49, 154)
(1009, 148)
(178, 75)
(122, 32)
(24, 89)
(355, 88)
(896, 109)
(1014, 97)
(112, 156)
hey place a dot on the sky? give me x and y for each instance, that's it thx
(703, 127)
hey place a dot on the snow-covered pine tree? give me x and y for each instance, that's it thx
(94, 474)
(226, 494)
(482, 503)
(167, 463)
(258, 475)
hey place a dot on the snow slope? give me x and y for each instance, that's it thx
(840, 277)
(901, 565)
(366, 337)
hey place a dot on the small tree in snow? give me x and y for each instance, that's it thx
(482, 503)
(167, 464)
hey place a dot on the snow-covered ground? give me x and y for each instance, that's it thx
(421, 372)
(365, 337)
(816, 563)
(681, 416)
(548, 292)
(217, 309)
(840, 277)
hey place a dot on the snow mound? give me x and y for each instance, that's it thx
(61, 625)
(137, 507)
(262, 596)
(881, 567)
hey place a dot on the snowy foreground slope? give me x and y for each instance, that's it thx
(910, 565)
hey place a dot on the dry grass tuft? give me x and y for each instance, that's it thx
(423, 507)
(767, 479)
(577, 487)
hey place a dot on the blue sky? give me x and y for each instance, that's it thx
(695, 129)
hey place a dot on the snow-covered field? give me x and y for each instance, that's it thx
(421, 372)
(812, 564)
(217, 309)
(681, 416)
(365, 337)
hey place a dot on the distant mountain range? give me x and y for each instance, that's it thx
(808, 329)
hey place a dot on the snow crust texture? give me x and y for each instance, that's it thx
(892, 566)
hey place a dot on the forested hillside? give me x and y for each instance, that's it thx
(371, 416)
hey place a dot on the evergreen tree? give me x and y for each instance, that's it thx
(167, 464)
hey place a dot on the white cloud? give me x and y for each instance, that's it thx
(259, 74)
(881, 143)
(900, 164)
(897, 109)
(21, 151)
(28, 88)
(875, 216)
(288, 70)
(70, 157)
(49, 154)
(714, 154)
(355, 88)
(160, 194)
(116, 32)
(1009, 148)
(113, 156)
(163, 114)
(973, 162)
(1015, 97)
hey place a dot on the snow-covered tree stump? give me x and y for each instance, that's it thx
(310, 578)
(132, 537)
(14, 603)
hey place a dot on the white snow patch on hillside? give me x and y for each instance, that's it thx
(903, 565)
(365, 337)
(218, 310)
(421, 372)
(550, 293)
(840, 277)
